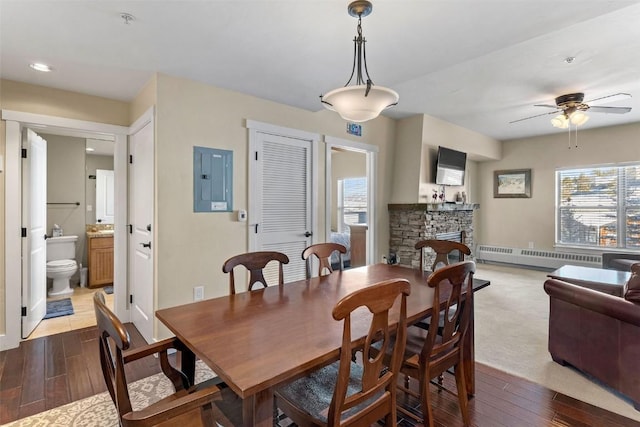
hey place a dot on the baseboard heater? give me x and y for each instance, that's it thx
(535, 258)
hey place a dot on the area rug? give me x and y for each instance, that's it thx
(511, 334)
(58, 308)
(99, 410)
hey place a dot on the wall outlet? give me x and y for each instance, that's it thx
(384, 259)
(198, 293)
(530, 245)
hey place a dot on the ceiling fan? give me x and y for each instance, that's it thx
(571, 108)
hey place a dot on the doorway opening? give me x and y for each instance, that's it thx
(350, 198)
(15, 123)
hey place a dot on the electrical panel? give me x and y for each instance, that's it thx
(212, 180)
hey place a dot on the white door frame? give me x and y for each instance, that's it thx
(255, 127)
(15, 120)
(371, 152)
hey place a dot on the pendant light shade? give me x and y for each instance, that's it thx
(362, 101)
(353, 104)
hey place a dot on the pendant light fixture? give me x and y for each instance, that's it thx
(362, 101)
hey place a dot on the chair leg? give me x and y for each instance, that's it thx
(425, 393)
(462, 393)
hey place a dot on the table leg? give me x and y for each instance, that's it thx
(257, 410)
(188, 364)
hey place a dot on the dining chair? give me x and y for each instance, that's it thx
(189, 405)
(255, 262)
(346, 393)
(323, 252)
(430, 353)
(442, 248)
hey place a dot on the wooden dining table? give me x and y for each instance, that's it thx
(255, 341)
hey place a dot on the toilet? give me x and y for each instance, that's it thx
(61, 263)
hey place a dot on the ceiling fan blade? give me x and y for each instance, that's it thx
(537, 115)
(611, 98)
(615, 110)
(546, 105)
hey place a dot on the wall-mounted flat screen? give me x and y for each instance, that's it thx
(450, 166)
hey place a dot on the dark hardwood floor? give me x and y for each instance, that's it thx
(51, 371)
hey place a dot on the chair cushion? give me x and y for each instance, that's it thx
(632, 287)
(314, 392)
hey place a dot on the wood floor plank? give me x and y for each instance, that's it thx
(31, 408)
(56, 392)
(72, 344)
(12, 372)
(10, 399)
(54, 356)
(92, 360)
(78, 378)
(34, 373)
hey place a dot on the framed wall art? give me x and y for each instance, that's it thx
(515, 183)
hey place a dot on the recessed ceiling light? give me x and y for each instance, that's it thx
(40, 67)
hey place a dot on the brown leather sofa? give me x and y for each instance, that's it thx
(597, 333)
(619, 261)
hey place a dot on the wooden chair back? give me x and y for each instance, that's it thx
(442, 248)
(255, 262)
(188, 406)
(323, 252)
(443, 346)
(378, 299)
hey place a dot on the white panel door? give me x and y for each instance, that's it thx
(282, 213)
(34, 220)
(105, 208)
(141, 213)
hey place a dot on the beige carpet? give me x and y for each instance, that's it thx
(511, 329)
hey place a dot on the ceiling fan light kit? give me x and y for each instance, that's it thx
(362, 101)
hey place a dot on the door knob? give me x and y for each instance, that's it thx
(146, 245)
(308, 234)
(46, 237)
(148, 227)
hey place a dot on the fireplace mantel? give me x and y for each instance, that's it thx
(433, 207)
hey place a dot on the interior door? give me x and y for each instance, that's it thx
(34, 221)
(142, 230)
(282, 215)
(105, 208)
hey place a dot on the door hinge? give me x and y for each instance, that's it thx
(24, 311)
(130, 228)
(24, 153)
(131, 299)
(23, 232)
(256, 225)
(130, 158)
(256, 155)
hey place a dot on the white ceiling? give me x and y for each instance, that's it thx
(478, 64)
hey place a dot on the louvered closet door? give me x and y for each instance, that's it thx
(284, 182)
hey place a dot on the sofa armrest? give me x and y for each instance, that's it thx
(619, 261)
(599, 302)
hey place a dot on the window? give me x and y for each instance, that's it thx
(352, 202)
(599, 207)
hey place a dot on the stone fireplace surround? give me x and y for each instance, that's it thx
(409, 223)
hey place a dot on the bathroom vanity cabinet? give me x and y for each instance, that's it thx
(100, 259)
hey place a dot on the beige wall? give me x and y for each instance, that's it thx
(516, 222)
(344, 164)
(54, 102)
(65, 184)
(191, 247)
(417, 144)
